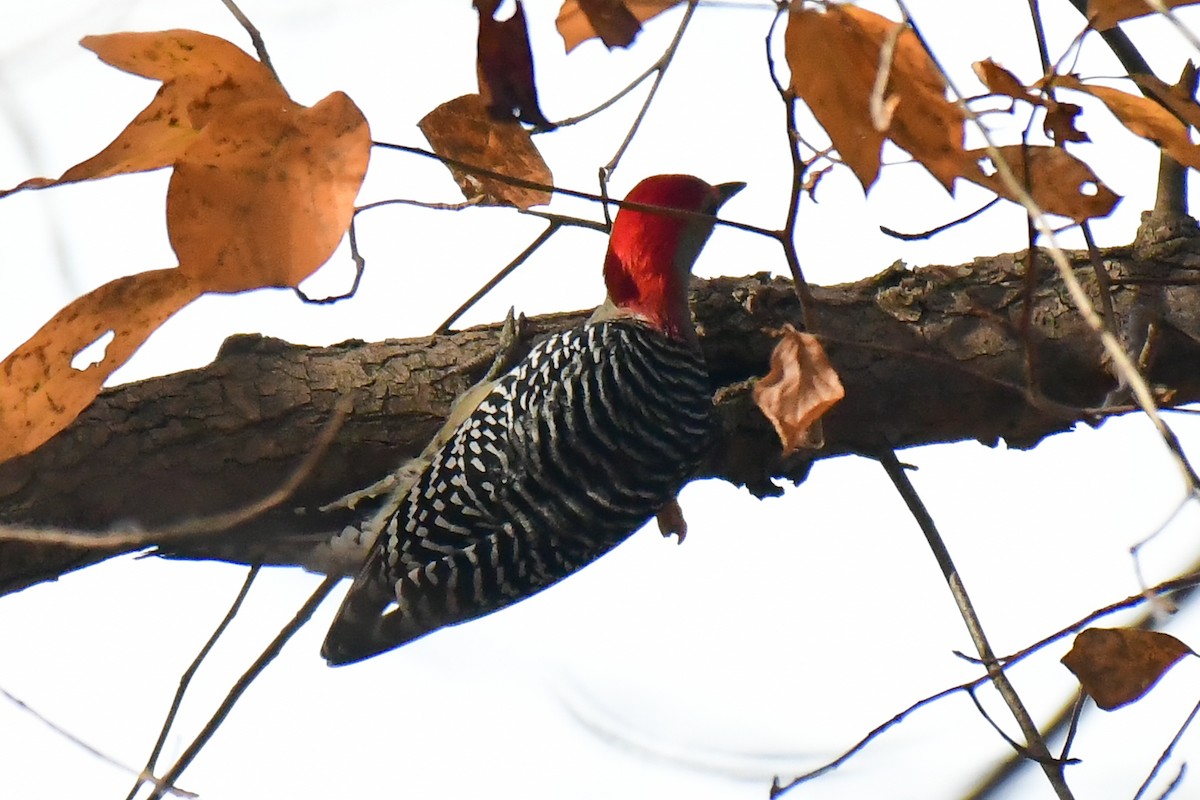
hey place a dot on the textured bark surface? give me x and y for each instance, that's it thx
(931, 355)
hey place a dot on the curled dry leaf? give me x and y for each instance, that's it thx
(614, 22)
(1143, 117)
(998, 80)
(463, 129)
(671, 521)
(41, 392)
(504, 62)
(262, 193)
(1060, 183)
(834, 56)
(1059, 123)
(799, 389)
(1104, 14)
(1118, 665)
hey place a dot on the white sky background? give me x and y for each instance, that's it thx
(775, 637)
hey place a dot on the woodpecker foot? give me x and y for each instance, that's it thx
(671, 521)
(511, 347)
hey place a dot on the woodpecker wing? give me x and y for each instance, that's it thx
(569, 453)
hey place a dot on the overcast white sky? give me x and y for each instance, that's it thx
(780, 632)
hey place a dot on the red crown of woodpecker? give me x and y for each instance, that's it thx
(650, 254)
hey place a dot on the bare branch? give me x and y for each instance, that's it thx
(186, 679)
(268, 655)
(1034, 743)
(75, 740)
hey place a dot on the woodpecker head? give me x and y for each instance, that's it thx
(650, 255)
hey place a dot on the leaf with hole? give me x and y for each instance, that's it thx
(1059, 183)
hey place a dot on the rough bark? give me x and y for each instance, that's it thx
(928, 355)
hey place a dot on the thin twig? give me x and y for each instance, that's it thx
(520, 259)
(660, 66)
(199, 526)
(786, 236)
(914, 237)
(186, 679)
(1166, 753)
(1034, 743)
(256, 39)
(513, 180)
(1175, 783)
(243, 683)
(360, 266)
(75, 740)
(777, 788)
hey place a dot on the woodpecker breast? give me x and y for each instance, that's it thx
(569, 453)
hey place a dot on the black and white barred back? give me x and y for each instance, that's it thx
(571, 452)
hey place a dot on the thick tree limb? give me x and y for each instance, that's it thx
(931, 355)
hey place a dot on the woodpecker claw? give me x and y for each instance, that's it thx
(509, 346)
(671, 521)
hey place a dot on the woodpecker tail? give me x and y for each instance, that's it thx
(364, 626)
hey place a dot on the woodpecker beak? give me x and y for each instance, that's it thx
(726, 191)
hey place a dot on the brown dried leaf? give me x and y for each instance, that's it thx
(798, 390)
(264, 195)
(612, 21)
(834, 56)
(1175, 98)
(203, 76)
(1060, 117)
(1104, 14)
(1060, 183)
(998, 80)
(463, 129)
(1143, 117)
(505, 66)
(41, 392)
(1060, 122)
(671, 521)
(1116, 666)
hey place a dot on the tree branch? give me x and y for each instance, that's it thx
(931, 355)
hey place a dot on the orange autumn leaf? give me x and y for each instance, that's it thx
(1059, 183)
(1143, 117)
(263, 191)
(1117, 666)
(615, 22)
(203, 76)
(463, 129)
(799, 389)
(1104, 14)
(835, 57)
(41, 392)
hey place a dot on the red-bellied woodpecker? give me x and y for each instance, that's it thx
(559, 460)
